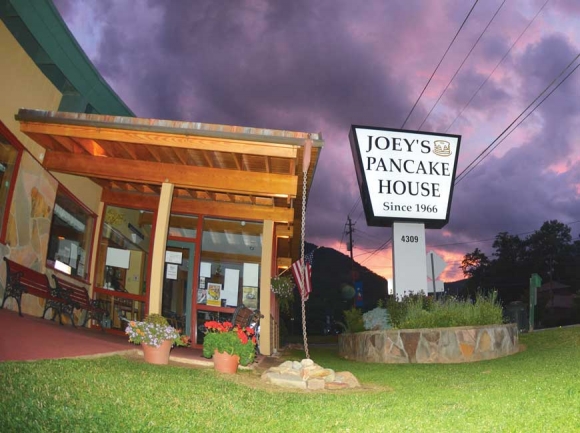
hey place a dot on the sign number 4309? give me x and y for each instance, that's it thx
(410, 239)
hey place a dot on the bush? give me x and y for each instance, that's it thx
(420, 311)
(398, 308)
(452, 312)
(354, 320)
(377, 319)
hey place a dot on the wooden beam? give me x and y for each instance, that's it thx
(94, 148)
(69, 144)
(46, 141)
(185, 140)
(211, 179)
(202, 207)
(283, 262)
(211, 256)
(284, 231)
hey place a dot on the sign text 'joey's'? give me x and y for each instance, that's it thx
(405, 175)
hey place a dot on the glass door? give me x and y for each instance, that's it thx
(178, 284)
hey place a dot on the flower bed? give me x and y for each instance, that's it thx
(425, 346)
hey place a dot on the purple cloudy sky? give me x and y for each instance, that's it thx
(323, 65)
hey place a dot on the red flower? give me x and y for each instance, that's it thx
(242, 336)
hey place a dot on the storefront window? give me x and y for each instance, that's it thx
(71, 233)
(229, 272)
(122, 260)
(182, 226)
(8, 156)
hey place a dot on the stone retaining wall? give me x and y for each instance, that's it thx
(425, 346)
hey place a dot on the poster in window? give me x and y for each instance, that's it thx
(214, 293)
(231, 287)
(171, 273)
(250, 297)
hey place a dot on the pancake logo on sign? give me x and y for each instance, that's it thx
(405, 175)
(442, 148)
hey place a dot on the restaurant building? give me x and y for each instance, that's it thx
(180, 218)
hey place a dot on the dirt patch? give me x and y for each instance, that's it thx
(251, 377)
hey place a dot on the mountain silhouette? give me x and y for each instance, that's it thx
(333, 289)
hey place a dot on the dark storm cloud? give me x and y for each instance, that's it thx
(324, 65)
(468, 83)
(518, 191)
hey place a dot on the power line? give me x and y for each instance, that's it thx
(474, 164)
(461, 65)
(382, 247)
(493, 239)
(439, 64)
(497, 65)
(353, 207)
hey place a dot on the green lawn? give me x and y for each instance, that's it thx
(537, 390)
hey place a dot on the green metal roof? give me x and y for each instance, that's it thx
(40, 30)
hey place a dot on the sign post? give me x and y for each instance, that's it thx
(409, 267)
(435, 266)
(535, 283)
(405, 177)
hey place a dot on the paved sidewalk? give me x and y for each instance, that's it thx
(31, 338)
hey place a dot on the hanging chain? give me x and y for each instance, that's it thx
(303, 275)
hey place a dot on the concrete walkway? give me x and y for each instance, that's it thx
(31, 338)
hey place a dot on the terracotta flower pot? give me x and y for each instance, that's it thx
(157, 355)
(225, 363)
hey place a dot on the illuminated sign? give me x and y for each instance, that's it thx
(404, 176)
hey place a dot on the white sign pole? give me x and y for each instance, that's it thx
(409, 266)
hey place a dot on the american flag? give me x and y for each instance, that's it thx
(304, 284)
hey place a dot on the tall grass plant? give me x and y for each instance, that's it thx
(419, 311)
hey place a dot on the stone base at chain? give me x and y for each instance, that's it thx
(426, 346)
(308, 375)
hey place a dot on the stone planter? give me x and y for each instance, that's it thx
(425, 346)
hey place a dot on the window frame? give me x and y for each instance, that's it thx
(91, 240)
(13, 141)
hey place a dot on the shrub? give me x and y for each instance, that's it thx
(354, 320)
(377, 319)
(452, 312)
(420, 311)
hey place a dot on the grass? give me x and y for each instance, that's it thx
(535, 390)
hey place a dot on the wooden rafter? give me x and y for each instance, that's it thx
(153, 138)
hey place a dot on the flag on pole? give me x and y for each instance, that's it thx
(304, 284)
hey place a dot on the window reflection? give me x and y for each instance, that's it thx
(71, 233)
(229, 272)
(122, 262)
(8, 155)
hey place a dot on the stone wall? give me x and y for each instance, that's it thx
(28, 227)
(425, 346)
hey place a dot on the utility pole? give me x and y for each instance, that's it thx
(350, 230)
(350, 248)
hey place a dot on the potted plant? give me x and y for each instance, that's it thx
(156, 337)
(226, 342)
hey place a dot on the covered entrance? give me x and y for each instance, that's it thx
(226, 198)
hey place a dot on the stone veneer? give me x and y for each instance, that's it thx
(425, 346)
(28, 227)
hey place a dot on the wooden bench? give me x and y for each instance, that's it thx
(78, 297)
(20, 279)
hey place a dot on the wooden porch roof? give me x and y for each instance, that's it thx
(221, 170)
